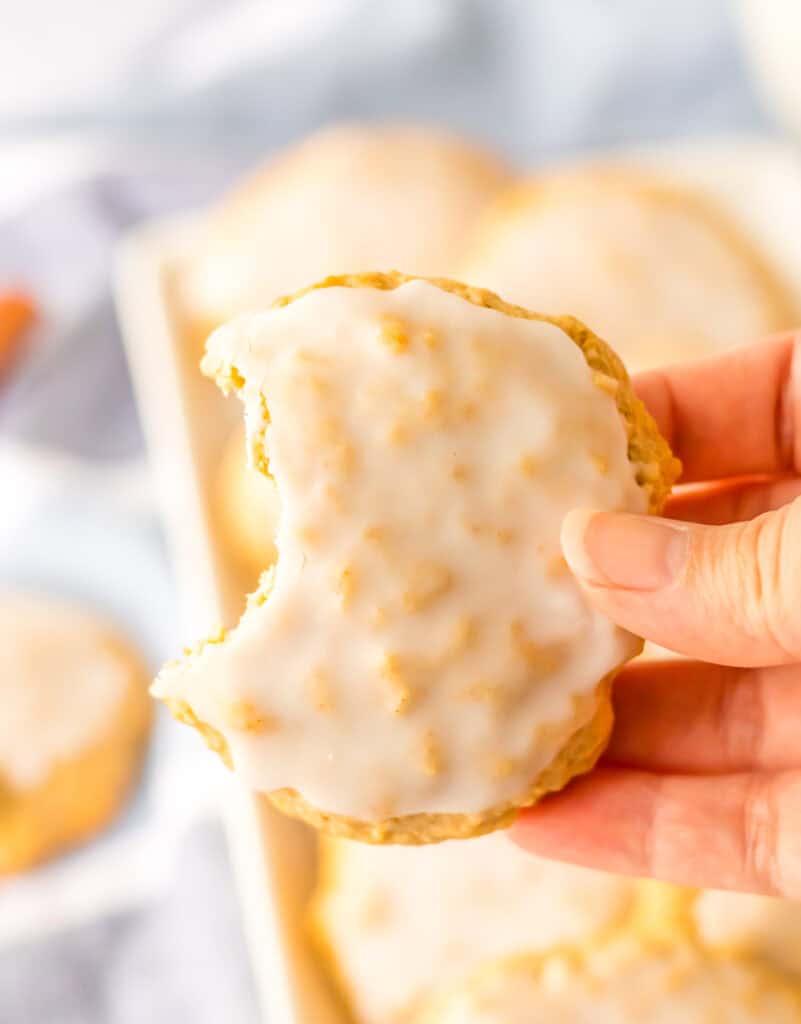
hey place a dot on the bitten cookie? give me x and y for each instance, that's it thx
(621, 983)
(420, 664)
(247, 507)
(350, 197)
(75, 715)
(658, 269)
(395, 924)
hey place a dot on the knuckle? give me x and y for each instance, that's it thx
(759, 578)
(740, 718)
(760, 835)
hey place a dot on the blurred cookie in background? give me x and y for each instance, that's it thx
(394, 924)
(659, 269)
(621, 982)
(349, 198)
(247, 508)
(75, 716)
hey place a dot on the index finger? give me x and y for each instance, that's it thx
(736, 414)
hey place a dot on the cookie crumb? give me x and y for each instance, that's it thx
(345, 585)
(528, 465)
(537, 657)
(428, 581)
(556, 566)
(244, 716)
(606, 383)
(400, 690)
(398, 434)
(432, 754)
(434, 405)
(501, 768)
(394, 334)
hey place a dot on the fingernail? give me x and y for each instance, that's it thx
(608, 549)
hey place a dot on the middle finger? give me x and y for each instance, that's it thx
(691, 717)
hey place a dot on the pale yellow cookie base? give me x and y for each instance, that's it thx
(82, 794)
(657, 469)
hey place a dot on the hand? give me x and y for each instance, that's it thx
(701, 784)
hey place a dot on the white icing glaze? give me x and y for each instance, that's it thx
(426, 451)
(623, 984)
(349, 198)
(403, 921)
(757, 925)
(61, 680)
(649, 275)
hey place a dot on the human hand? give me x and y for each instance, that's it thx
(701, 783)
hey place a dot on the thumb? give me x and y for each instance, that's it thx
(725, 594)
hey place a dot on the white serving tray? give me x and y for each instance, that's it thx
(186, 421)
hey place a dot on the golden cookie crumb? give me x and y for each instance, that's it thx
(398, 434)
(482, 692)
(375, 533)
(244, 716)
(556, 566)
(432, 754)
(501, 768)
(464, 635)
(538, 658)
(334, 496)
(606, 383)
(505, 536)
(460, 472)
(427, 582)
(431, 338)
(468, 409)
(529, 465)
(345, 585)
(318, 384)
(379, 617)
(394, 334)
(399, 688)
(343, 457)
(434, 405)
(601, 463)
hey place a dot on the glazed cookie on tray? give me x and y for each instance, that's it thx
(247, 508)
(349, 197)
(420, 664)
(657, 268)
(759, 927)
(620, 983)
(389, 943)
(75, 715)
